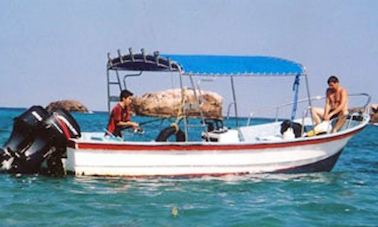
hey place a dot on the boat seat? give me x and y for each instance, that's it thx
(262, 132)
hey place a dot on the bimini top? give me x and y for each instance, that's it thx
(210, 65)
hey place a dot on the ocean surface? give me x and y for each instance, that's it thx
(347, 196)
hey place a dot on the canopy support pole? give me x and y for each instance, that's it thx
(130, 75)
(183, 106)
(309, 98)
(198, 99)
(108, 90)
(235, 103)
(112, 98)
(295, 98)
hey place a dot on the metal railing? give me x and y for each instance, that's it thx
(317, 98)
(229, 109)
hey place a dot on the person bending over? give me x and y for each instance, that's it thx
(120, 117)
(336, 105)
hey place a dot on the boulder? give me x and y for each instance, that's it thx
(373, 108)
(69, 105)
(167, 104)
(374, 113)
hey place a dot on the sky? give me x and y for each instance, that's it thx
(53, 49)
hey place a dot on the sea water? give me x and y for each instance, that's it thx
(347, 196)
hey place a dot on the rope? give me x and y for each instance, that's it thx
(175, 125)
(180, 113)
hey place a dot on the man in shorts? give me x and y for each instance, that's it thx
(336, 105)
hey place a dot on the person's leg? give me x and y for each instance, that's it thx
(317, 114)
(340, 122)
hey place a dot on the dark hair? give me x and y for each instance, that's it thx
(332, 79)
(124, 94)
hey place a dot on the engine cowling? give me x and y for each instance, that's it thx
(38, 142)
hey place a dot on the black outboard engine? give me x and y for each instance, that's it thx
(38, 142)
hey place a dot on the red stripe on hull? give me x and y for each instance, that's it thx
(203, 147)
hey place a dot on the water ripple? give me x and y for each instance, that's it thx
(347, 196)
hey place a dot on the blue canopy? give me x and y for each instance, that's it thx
(210, 65)
(203, 65)
(235, 65)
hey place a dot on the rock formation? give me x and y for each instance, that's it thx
(167, 103)
(373, 108)
(374, 113)
(69, 105)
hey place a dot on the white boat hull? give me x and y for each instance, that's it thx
(203, 158)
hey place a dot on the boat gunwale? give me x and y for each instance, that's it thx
(205, 146)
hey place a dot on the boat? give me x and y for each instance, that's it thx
(220, 150)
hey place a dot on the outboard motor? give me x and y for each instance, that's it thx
(38, 142)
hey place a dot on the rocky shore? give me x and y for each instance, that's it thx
(168, 103)
(373, 108)
(374, 113)
(69, 105)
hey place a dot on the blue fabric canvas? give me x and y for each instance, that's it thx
(235, 65)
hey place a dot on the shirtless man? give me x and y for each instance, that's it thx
(336, 105)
